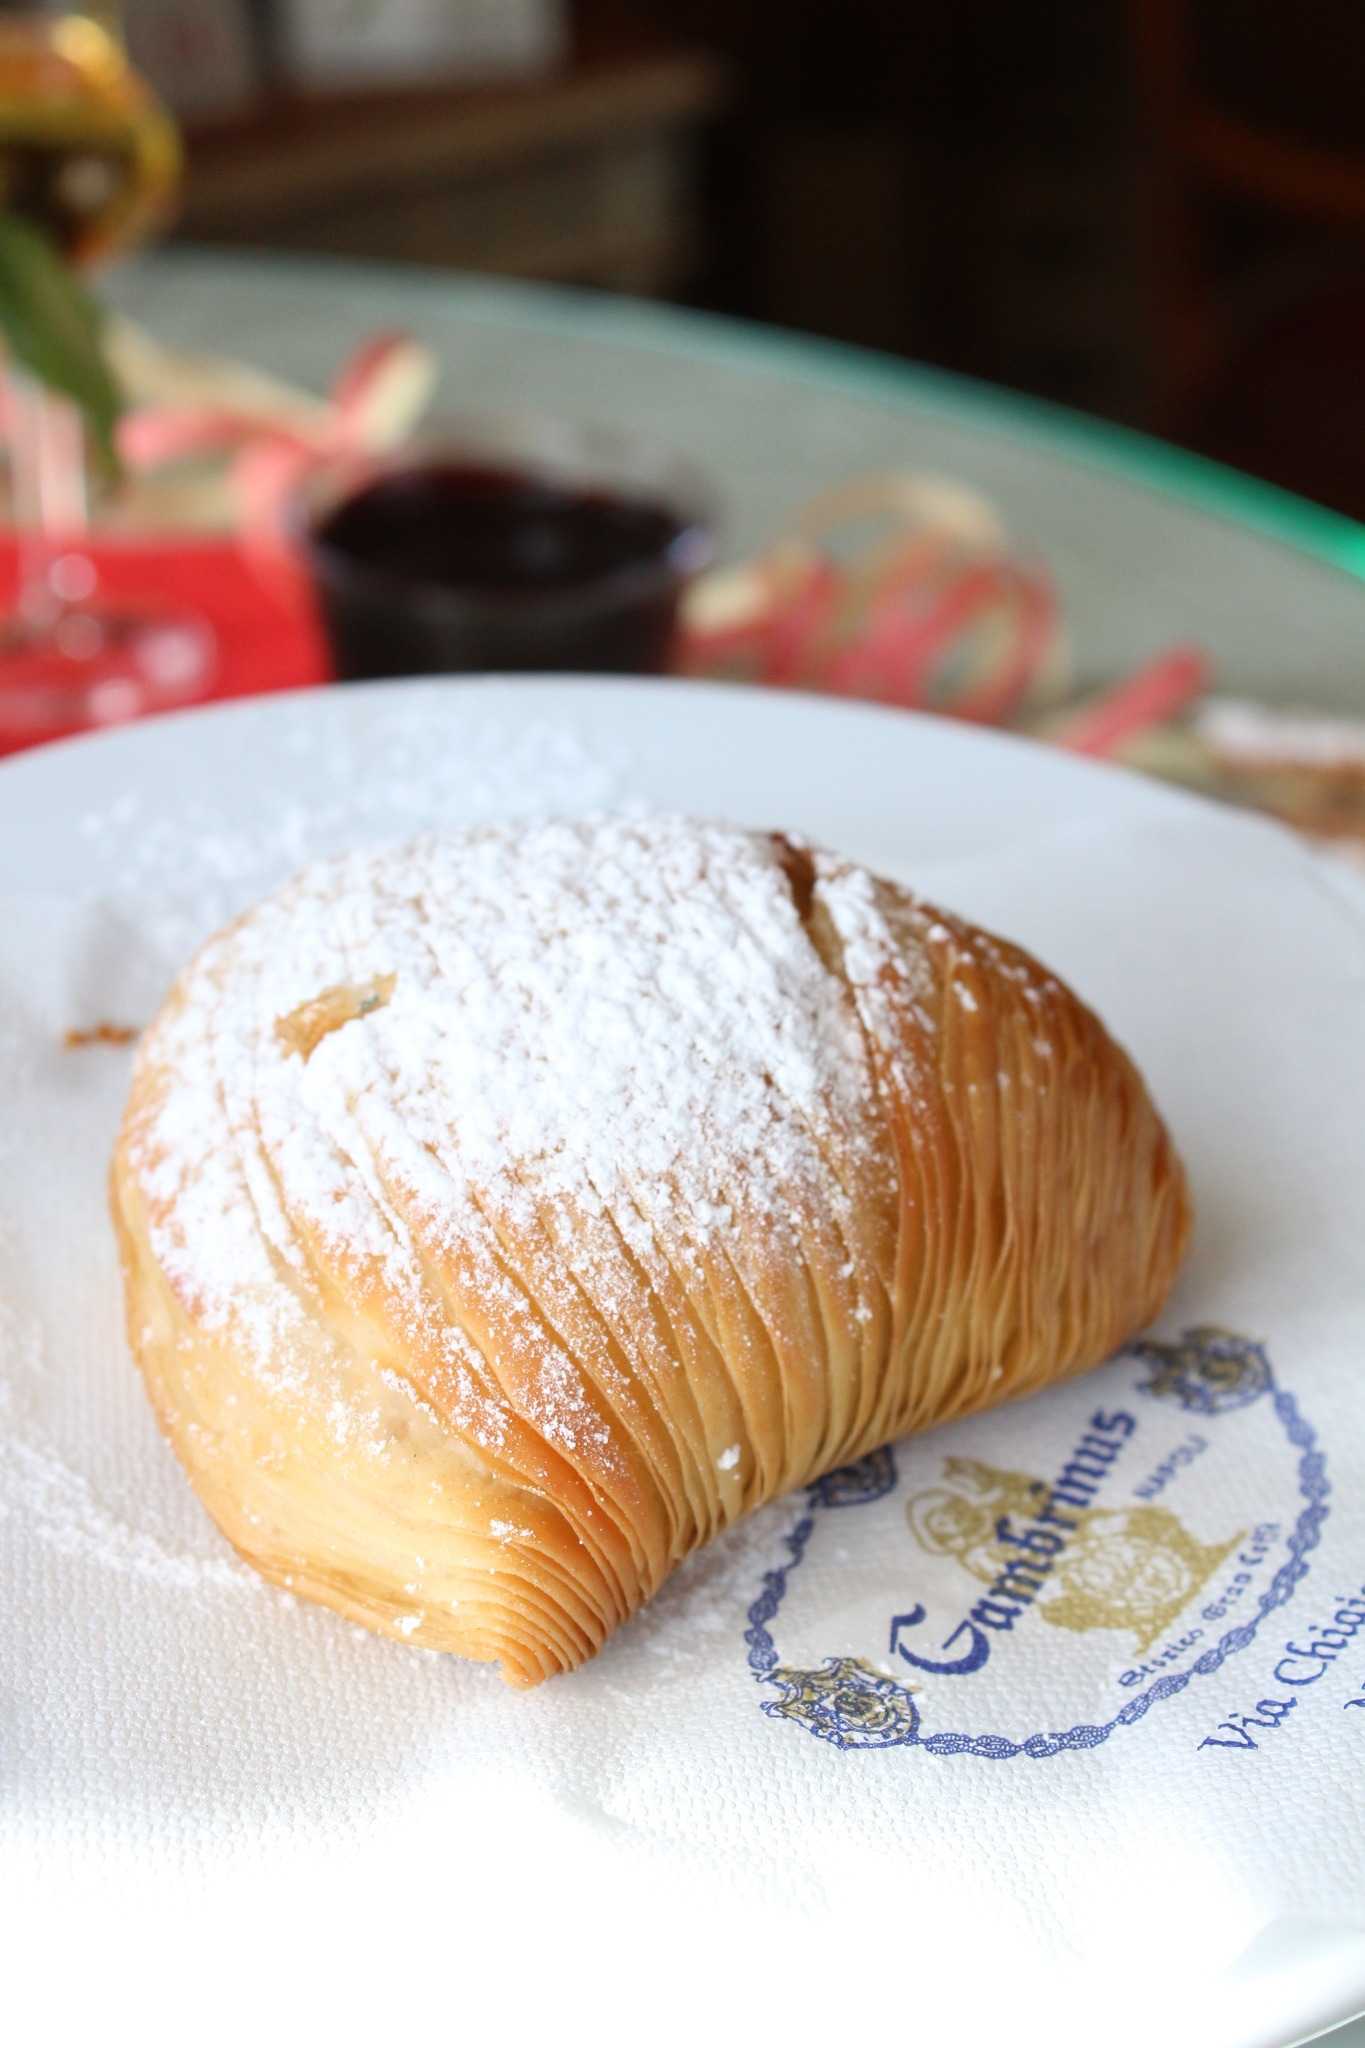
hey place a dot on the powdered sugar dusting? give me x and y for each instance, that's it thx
(171, 869)
(620, 1022)
(60, 1507)
(395, 769)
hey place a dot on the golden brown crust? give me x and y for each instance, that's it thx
(1000, 1206)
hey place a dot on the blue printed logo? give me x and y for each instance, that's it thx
(1105, 1546)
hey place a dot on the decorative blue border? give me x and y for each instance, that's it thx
(893, 1719)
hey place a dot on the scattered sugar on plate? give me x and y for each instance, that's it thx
(172, 870)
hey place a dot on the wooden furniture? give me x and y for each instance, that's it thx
(1251, 114)
(583, 177)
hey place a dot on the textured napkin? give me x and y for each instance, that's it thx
(1052, 1722)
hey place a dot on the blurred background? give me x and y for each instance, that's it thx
(224, 474)
(1150, 209)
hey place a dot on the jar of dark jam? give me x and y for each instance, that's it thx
(497, 546)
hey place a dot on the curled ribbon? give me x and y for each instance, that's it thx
(274, 441)
(900, 588)
(903, 589)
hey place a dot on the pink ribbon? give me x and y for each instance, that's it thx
(270, 456)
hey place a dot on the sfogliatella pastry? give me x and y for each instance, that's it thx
(505, 1214)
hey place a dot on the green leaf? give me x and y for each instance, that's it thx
(55, 329)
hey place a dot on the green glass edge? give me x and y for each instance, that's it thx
(1330, 537)
(1140, 458)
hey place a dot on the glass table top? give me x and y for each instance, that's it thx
(1148, 544)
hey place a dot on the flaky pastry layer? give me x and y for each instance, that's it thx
(503, 1217)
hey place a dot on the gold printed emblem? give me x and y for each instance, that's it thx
(1131, 1568)
(846, 1702)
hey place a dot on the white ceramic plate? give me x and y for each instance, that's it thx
(174, 1728)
